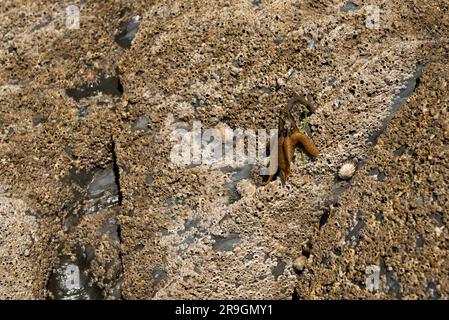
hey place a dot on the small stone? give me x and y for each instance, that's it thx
(299, 263)
(26, 253)
(347, 171)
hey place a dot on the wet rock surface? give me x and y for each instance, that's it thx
(70, 280)
(91, 207)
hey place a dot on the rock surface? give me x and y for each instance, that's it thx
(85, 121)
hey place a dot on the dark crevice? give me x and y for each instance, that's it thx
(324, 218)
(295, 295)
(105, 84)
(116, 170)
(120, 256)
(119, 86)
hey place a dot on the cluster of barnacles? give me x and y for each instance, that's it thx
(289, 135)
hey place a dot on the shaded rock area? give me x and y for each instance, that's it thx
(91, 207)
(89, 263)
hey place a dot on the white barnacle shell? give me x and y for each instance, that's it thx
(347, 171)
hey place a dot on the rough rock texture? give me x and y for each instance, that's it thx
(399, 199)
(85, 121)
(23, 241)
